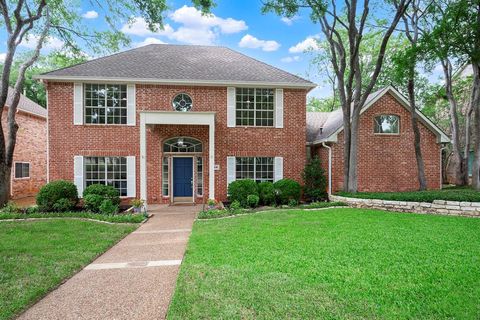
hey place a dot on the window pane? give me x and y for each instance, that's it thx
(254, 107)
(104, 104)
(387, 124)
(165, 176)
(107, 170)
(199, 176)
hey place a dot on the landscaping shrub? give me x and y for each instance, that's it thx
(240, 189)
(54, 192)
(235, 205)
(107, 207)
(315, 182)
(319, 205)
(252, 201)
(266, 192)
(95, 194)
(292, 203)
(286, 190)
(11, 207)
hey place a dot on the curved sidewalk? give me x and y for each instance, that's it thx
(135, 279)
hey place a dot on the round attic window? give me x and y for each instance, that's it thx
(182, 102)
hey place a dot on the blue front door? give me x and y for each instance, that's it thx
(182, 177)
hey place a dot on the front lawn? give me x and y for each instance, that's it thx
(449, 194)
(340, 263)
(35, 256)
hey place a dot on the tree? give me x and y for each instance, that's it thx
(37, 21)
(353, 87)
(328, 104)
(456, 33)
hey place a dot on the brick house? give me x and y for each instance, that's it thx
(29, 170)
(386, 155)
(175, 123)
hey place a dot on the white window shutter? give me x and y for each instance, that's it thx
(230, 107)
(131, 178)
(279, 108)
(230, 170)
(278, 168)
(131, 108)
(77, 103)
(78, 174)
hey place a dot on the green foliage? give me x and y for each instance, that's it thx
(266, 192)
(216, 213)
(11, 207)
(319, 205)
(286, 190)
(136, 203)
(235, 205)
(240, 189)
(292, 203)
(103, 192)
(449, 194)
(252, 200)
(328, 104)
(62, 205)
(54, 192)
(315, 182)
(33, 214)
(107, 207)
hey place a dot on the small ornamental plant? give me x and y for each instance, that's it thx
(211, 203)
(137, 204)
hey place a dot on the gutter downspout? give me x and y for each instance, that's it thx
(329, 168)
(441, 165)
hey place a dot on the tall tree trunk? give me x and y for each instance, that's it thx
(466, 151)
(475, 103)
(353, 168)
(458, 160)
(5, 176)
(422, 181)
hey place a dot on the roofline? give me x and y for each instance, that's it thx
(441, 136)
(29, 112)
(309, 86)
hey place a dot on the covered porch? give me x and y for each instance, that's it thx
(177, 156)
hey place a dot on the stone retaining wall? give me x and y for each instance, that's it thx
(468, 209)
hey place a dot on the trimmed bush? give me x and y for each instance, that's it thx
(95, 194)
(240, 189)
(292, 203)
(266, 192)
(53, 193)
(286, 190)
(315, 182)
(252, 200)
(107, 207)
(235, 205)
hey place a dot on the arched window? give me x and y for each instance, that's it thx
(182, 102)
(387, 124)
(182, 144)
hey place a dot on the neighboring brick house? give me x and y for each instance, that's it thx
(29, 170)
(171, 123)
(386, 155)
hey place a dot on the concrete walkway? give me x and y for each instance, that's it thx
(133, 280)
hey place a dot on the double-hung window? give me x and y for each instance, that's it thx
(256, 168)
(22, 170)
(105, 103)
(254, 107)
(107, 170)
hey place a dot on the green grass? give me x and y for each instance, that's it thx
(450, 194)
(119, 218)
(35, 256)
(338, 263)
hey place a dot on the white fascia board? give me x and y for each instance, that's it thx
(180, 118)
(188, 82)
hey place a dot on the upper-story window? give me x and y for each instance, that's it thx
(254, 107)
(105, 103)
(387, 124)
(182, 102)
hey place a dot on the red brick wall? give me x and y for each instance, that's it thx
(68, 140)
(387, 162)
(31, 147)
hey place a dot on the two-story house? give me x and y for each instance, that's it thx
(175, 123)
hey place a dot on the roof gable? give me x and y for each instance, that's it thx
(182, 64)
(334, 123)
(26, 105)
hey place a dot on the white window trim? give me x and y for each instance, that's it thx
(255, 108)
(15, 170)
(84, 107)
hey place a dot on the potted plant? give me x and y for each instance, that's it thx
(137, 205)
(211, 203)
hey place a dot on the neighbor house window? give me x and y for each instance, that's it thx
(105, 103)
(254, 107)
(110, 171)
(22, 170)
(255, 168)
(387, 124)
(165, 176)
(200, 176)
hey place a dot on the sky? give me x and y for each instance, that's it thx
(238, 24)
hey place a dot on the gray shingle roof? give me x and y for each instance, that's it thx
(180, 63)
(329, 122)
(27, 105)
